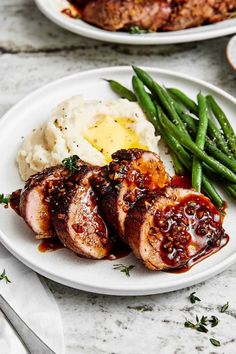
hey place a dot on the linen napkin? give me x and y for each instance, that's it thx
(32, 300)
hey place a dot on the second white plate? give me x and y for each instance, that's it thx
(52, 9)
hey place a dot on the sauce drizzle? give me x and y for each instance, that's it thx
(199, 257)
(50, 244)
(119, 250)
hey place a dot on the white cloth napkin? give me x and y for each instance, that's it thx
(33, 302)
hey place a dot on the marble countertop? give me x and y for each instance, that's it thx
(33, 52)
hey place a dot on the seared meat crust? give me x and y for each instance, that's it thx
(130, 174)
(113, 15)
(76, 218)
(34, 206)
(193, 13)
(167, 15)
(165, 227)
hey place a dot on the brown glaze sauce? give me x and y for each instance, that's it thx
(74, 10)
(119, 250)
(181, 182)
(15, 201)
(200, 257)
(50, 244)
(210, 226)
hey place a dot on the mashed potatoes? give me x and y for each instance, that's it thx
(93, 130)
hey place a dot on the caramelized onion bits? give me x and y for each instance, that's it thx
(188, 227)
(76, 217)
(167, 231)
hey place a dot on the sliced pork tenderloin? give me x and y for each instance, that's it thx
(168, 231)
(114, 15)
(76, 217)
(34, 206)
(130, 174)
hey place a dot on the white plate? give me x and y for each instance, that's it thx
(52, 9)
(63, 266)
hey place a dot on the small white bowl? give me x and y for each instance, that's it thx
(231, 52)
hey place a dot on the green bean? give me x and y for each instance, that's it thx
(224, 123)
(212, 149)
(178, 167)
(183, 155)
(211, 192)
(122, 91)
(164, 98)
(183, 98)
(210, 146)
(146, 78)
(208, 187)
(192, 125)
(232, 186)
(213, 132)
(200, 142)
(180, 109)
(149, 109)
(190, 122)
(230, 189)
(145, 102)
(191, 146)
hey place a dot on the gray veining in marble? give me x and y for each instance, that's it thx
(33, 52)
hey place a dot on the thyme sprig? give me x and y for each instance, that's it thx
(224, 307)
(193, 298)
(215, 342)
(199, 326)
(70, 163)
(202, 323)
(3, 276)
(214, 321)
(138, 30)
(4, 199)
(124, 269)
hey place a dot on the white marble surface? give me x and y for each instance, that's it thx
(33, 52)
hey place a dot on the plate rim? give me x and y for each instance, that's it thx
(106, 36)
(170, 285)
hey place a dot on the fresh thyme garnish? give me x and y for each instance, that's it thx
(124, 269)
(138, 30)
(4, 199)
(200, 325)
(203, 320)
(215, 342)
(193, 298)
(71, 163)
(3, 276)
(224, 307)
(214, 321)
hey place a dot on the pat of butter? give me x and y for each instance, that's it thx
(110, 134)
